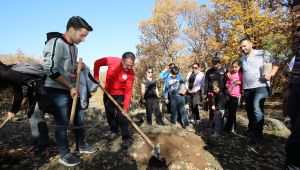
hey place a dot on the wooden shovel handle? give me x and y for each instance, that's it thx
(128, 118)
(5, 121)
(75, 98)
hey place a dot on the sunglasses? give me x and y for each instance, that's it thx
(150, 71)
(195, 67)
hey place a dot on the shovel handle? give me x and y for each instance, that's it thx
(128, 118)
(5, 121)
(75, 98)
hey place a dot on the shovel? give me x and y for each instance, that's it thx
(4, 122)
(155, 148)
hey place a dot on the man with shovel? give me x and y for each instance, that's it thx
(60, 57)
(119, 82)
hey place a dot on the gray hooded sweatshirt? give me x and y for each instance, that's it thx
(59, 59)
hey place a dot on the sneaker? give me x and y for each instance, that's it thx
(86, 148)
(126, 143)
(69, 160)
(215, 135)
(112, 136)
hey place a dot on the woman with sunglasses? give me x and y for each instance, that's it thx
(150, 98)
(195, 80)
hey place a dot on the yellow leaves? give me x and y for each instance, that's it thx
(240, 18)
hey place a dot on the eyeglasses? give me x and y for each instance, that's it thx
(129, 65)
(195, 67)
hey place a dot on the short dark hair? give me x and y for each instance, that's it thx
(195, 63)
(128, 55)
(174, 70)
(238, 62)
(216, 84)
(245, 39)
(77, 22)
(172, 65)
(149, 68)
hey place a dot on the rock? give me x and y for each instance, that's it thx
(274, 125)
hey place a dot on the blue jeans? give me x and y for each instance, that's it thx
(177, 107)
(255, 100)
(59, 105)
(217, 119)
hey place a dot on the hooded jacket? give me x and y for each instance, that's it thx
(59, 59)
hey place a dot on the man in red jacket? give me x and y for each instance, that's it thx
(119, 82)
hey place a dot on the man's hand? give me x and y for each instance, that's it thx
(24, 101)
(81, 65)
(124, 112)
(11, 115)
(191, 91)
(182, 92)
(73, 92)
(213, 107)
(167, 101)
(268, 76)
(228, 75)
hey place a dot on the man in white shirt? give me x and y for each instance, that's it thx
(256, 85)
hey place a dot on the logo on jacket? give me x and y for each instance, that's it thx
(124, 76)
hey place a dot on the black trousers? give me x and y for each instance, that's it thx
(194, 101)
(152, 106)
(232, 105)
(114, 116)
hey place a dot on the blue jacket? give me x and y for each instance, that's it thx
(173, 86)
(166, 74)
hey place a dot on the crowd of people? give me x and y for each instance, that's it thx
(220, 87)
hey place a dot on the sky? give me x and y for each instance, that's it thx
(24, 25)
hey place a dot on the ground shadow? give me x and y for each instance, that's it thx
(15, 152)
(234, 151)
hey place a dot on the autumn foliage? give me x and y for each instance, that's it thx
(183, 32)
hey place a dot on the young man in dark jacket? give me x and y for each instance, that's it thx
(293, 111)
(215, 73)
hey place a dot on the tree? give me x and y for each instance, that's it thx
(252, 19)
(200, 33)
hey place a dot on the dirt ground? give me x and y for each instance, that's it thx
(180, 148)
